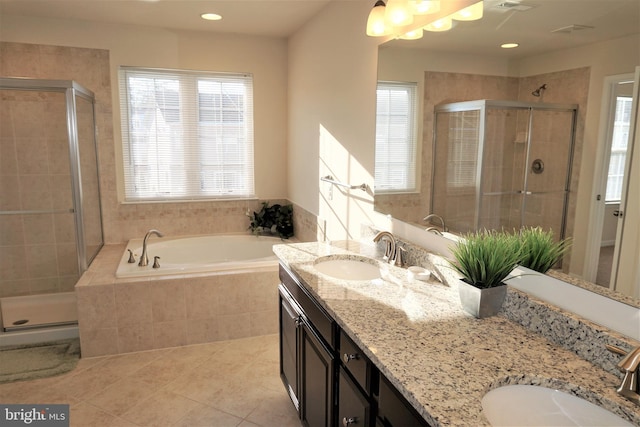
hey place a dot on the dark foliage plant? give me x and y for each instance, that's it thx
(276, 219)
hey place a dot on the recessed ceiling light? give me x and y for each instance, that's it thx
(211, 16)
(509, 45)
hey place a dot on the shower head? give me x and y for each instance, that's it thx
(539, 91)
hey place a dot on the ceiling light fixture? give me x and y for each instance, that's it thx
(398, 13)
(444, 24)
(424, 7)
(397, 16)
(509, 45)
(470, 13)
(376, 25)
(211, 16)
(412, 35)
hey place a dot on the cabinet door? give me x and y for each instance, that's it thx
(289, 320)
(316, 371)
(354, 409)
(394, 410)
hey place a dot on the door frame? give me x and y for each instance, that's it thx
(600, 182)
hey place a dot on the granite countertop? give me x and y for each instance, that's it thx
(441, 359)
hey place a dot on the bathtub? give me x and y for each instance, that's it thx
(199, 254)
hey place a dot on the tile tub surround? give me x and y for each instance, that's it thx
(134, 314)
(441, 359)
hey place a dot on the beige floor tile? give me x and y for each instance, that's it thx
(275, 409)
(163, 408)
(230, 383)
(121, 396)
(85, 415)
(205, 416)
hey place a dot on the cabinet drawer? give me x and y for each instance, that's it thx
(354, 361)
(354, 409)
(316, 315)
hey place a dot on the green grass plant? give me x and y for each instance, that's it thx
(539, 250)
(485, 258)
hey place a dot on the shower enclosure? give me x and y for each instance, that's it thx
(50, 215)
(503, 165)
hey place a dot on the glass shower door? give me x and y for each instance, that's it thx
(38, 252)
(89, 177)
(547, 171)
(504, 156)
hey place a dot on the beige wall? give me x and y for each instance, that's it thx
(265, 58)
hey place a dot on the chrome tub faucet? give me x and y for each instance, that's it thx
(144, 259)
(428, 218)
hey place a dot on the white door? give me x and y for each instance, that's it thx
(625, 274)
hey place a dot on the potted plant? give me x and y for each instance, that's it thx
(484, 259)
(539, 251)
(276, 219)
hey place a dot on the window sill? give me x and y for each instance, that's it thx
(217, 199)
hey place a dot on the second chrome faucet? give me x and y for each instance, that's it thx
(144, 258)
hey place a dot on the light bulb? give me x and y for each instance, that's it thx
(424, 7)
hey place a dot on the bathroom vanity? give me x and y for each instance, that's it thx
(394, 351)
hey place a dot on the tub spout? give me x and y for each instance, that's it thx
(144, 259)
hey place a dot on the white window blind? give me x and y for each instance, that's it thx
(395, 157)
(462, 161)
(619, 142)
(186, 135)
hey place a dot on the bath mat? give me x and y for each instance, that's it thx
(32, 361)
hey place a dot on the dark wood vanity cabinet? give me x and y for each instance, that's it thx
(330, 380)
(307, 355)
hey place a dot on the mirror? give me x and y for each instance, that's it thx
(464, 64)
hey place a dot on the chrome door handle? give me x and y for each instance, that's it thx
(618, 213)
(349, 357)
(346, 422)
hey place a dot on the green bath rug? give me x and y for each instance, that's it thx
(33, 361)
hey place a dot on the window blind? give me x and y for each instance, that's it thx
(186, 135)
(395, 157)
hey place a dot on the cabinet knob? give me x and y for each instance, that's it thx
(349, 357)
(348, 421)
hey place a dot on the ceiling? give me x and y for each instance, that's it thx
(280, 18)
(503, 21)
(272, 18)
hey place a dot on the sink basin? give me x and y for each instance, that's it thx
(528, 405)
(351, 268)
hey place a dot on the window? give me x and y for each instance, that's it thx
(186, 135)
(462, 159)
(619, 141)
(395, 158)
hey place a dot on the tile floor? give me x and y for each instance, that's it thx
(228, 383)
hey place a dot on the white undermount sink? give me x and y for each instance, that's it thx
(348, 267)
(529, 405)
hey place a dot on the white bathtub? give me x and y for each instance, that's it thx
(199, 254)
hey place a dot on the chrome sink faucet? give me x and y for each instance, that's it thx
(392, 252)
(144, 259)
(630, 366)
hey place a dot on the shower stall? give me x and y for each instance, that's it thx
(50, 214)
(503, 165)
